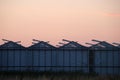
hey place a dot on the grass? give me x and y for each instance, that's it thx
(55, 76)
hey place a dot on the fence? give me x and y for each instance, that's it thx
(55, 60)
(106, 61)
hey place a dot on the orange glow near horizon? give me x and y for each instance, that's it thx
(51, 20)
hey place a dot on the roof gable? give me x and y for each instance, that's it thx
(41, 44)
(102, 45)
(73, 45)
(11, 44)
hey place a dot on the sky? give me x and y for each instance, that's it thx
(54, 20)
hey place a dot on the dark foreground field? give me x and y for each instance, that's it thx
(55, 76)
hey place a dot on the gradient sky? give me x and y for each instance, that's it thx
(53, 20)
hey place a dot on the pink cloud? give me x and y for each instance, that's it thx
(113, 14)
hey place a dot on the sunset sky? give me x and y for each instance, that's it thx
(53, 20)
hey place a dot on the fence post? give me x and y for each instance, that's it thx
(91, 61)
